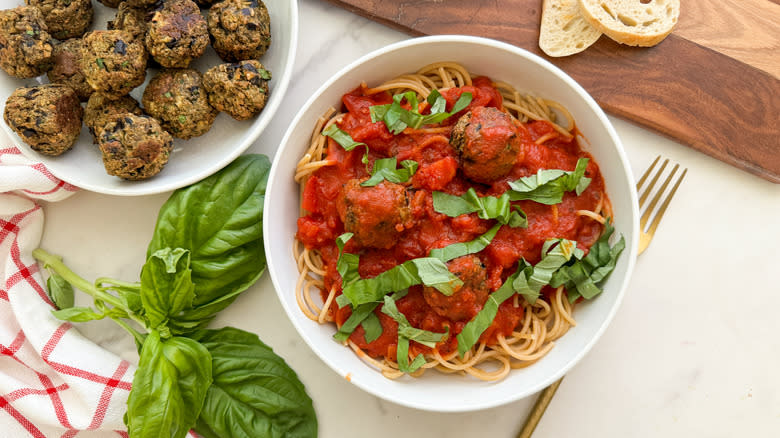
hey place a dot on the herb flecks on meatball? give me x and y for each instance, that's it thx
(238, 89)
(46, 117)
(67, 68)
(134, 147)
(375, 215)
(113, 62)
(26, 48)
(100, 110)
(239, 29)
(177, 99)
(487, 143)
(65, 18)
(469, 298)
(177, 34)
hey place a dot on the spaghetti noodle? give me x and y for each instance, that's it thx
(531, 330)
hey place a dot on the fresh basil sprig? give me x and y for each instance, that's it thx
(398, 118)
(486, 207)
(341, 137)
(548, 186)
(169, 387)
(408, 333)
(385, 169)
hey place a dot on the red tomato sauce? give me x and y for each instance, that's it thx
(427, 229)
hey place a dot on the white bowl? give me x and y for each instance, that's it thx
(191, 160)
(435, 391)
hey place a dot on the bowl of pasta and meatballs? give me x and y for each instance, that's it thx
(455, 223)
(136, 97)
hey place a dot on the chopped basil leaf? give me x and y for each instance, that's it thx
(168, 94)
(487, 207)
(359, 315)
(406, 333)
(548, 186)
(341, 137)
(581, 278)
(482, 320)
(425, 270)
(460, 249)
(384, 169)
(532, 279)
(265, 74)
(398, 118)
(372, 327)
(100, 63)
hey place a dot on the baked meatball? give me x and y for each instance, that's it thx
(177, 34)
(67, 68)
(178, 100)
(26, 48)
(142, 3)
(238, 89)
(100, 110)
(375, 215)
(46, 117)
(65, 18)
(131, 20)
(113, 62)
(239, 29)
(134, 147)
(469, 298)
(488, 144)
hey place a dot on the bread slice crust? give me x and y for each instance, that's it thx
(632, 22)
(563, 30)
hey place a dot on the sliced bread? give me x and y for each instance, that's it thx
(633, 22)
(563, 31)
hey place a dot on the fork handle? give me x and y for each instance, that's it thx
(544, 399)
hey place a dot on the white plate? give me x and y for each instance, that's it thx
(191, 160)
(435, 391)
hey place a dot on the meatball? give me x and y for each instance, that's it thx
(488, 144)
(100, 110)
(67, 68)
(178, 100)
(239, 89)
(131, 20)
(375, 215)
(65, 18)
(26, 48)
(46, 117)
(141, 3)
(469, 298)
(239, 29)
(113, 62)
(177, 34)
(134, 147)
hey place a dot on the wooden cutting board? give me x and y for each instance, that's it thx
(713, 84)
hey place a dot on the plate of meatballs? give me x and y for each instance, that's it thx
(135, 97)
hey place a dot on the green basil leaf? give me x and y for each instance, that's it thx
(408, 333)
(437, 102)
(397, 118)
(169, 387)
(473, 329)
(347, 263)
(219, 220)
(455, 250)
(60, 291)
(166, 285)
(372, 327)
(341, 137)
(547, 186)
(426, 270)
(532, 279)
(385, 169)
(77, 314)
(254, 393)
(486, 207)
(359, 314)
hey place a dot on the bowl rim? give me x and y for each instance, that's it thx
(628, 181)
(253, 132)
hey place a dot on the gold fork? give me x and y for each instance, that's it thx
(645, 236)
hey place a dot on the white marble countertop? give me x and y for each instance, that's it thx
(692, 352)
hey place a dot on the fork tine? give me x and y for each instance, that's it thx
(662, 209)
(646, 174)
(657, 196)
(649, 188)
